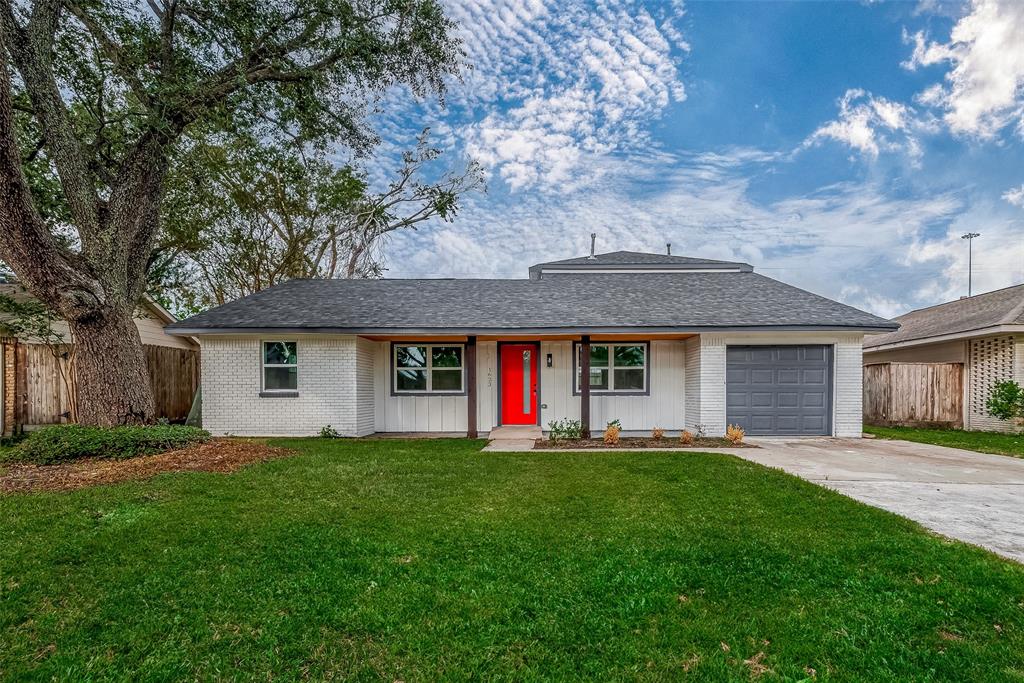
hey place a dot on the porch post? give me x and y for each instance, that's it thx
(584, 385)
(471, 431)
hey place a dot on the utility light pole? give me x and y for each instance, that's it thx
(970, 248)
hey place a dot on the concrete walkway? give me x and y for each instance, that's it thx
(514, 438)
(973, 497)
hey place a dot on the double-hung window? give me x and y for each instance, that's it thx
(427, 369)
(280, 366)
(615, 368)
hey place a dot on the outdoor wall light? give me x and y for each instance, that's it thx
(549, 360)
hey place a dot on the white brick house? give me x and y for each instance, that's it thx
(670, 342)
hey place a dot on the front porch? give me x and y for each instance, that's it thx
(517, 380)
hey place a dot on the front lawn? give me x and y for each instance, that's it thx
(426, 560)
(982, 442)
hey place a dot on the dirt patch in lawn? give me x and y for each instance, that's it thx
(640, 442)
(222, 455)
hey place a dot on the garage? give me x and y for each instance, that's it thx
(780, 390)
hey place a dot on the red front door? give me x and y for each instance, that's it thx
(519, 384)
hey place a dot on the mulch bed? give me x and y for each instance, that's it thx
(222, 455)
(640, 442)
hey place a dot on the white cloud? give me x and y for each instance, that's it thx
(984, 90)
(871, 124)
(851, 241)
(1015, 195)
(561, 82)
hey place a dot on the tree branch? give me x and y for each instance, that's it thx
(32, 51)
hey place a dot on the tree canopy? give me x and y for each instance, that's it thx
(97, 95)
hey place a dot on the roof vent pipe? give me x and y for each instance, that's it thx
(668, 248)
(593, 245)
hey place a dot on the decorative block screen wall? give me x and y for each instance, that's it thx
(991, 360)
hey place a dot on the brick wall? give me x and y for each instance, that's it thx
(691, 391)
(327, 387)
(990, 360)
(9, 383)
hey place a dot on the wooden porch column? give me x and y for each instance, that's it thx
(585, 385)
(471, 431)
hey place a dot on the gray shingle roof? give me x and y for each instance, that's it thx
(636, 258)
(1001, 307)
(556, 302)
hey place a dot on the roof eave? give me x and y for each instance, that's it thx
(939, 338)
(657, 329)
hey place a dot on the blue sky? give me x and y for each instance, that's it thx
(841, 147)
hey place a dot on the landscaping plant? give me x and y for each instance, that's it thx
(63, 443)
(611, 433)
(1006, 401)
(657, 433)
(329, 432)
(735, 434)
(686, 437)
(565, 429)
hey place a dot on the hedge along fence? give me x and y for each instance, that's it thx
(40, 394)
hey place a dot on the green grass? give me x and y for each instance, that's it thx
(982, 442)
(428, 560)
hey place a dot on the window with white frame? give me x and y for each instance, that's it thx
(280, 366)
(615, 368)
(427, 369)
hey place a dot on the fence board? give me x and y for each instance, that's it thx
(42, 396)
(914, 394)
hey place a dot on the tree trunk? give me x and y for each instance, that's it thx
(110, 370)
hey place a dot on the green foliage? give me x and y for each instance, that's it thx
(329, 432)
(565, 429)
(1006, 400)
(998, 443)
(28, 318)
(246, 215)
(63, 443)
(427, 560)
(614, 423)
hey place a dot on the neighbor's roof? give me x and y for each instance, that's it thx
(585, 302)
(980, 312)
(634, 259)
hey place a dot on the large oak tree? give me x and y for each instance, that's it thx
(95, 95)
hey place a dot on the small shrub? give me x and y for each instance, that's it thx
(63, 443)
(611, 433)
(1006, 400)
(686, 438)
(735, 434)
(565, 429)
(657, 433)
(329, 432)
(700, 430)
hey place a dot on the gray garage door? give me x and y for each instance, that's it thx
(779, 389)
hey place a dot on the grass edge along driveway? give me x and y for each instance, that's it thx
(981, 442)
(428, 560)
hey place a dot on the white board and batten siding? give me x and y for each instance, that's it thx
(664, 407)
(437, 413)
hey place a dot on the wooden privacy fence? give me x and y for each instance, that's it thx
(41, 394)
(914, 394)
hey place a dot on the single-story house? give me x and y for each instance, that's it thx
(34, 381)
(663, 341)
(983, 334)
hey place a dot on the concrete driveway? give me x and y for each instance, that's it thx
(973, 497)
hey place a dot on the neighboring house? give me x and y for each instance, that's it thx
(34, 388)
(671, 342)
(983, 334)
